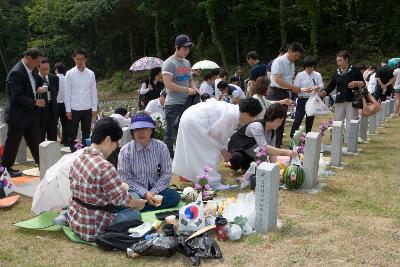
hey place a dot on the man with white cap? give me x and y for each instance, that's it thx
(145, 165)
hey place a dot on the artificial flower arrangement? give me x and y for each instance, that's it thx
(203, 183)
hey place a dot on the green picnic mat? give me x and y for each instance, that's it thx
(44, 222)
(150, 216)
(74, 237)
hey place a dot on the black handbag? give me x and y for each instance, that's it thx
(357, 100)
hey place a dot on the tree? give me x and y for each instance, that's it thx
(210, 9)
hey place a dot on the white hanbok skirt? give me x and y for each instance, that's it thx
(204, 130)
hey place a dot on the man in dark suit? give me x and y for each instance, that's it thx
(21, 109)
(48, 114)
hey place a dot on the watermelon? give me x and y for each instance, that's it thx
(293, 177)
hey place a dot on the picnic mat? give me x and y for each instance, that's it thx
(44, 222)
(32, 172)
(8, 201)
(150, 216)
(26, 185)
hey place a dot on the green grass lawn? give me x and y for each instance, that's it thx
(354, 220)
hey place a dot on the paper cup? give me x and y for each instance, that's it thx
(158, 199)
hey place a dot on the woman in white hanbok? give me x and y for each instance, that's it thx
(203, 135)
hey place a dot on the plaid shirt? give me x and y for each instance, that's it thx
(94, 181)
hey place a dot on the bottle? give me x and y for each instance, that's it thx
(221, 229)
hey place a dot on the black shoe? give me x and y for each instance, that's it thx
(14, 173)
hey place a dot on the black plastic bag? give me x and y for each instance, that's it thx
(202, 246)
(113, 240)
(164, 246)
(116, 236)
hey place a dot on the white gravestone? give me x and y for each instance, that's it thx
(337, 143)
(383, 112)
(353, 136)
(378, 118)
(126, 136)
(21, 154)
(311, 160)
(267, 190)
(387, 114)
(372, 124)
(363, 131)
(49, 153)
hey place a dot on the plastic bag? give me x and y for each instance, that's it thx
(202, 246)
(244, 206)
(315, 106)
(164, 246)
(191, 216)
(234, 232)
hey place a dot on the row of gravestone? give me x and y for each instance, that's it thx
(267, 176)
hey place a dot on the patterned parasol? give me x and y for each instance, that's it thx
(146, 63)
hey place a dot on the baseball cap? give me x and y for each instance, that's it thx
(183, 40)
(141, 121)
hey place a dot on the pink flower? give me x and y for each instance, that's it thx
(258, 162)
(207, 168)
(197, 186)
(205, 193)
(207, 187)
(259, 155)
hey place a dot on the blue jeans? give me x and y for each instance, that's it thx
(171, 199)
(299, 115)
(126, 214)
(171, 113)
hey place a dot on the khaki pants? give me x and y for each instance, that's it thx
(345, 110)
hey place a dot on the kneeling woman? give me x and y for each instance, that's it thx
(145, 164)
(259, 133)
(97, 190)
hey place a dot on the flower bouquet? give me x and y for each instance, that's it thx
(203, 183)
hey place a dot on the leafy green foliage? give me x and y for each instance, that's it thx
(117, 32)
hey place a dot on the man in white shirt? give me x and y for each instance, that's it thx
(282, 72)
(155, 108)
(306, 79)
(207, 86)
(59, 69)
(80, 97)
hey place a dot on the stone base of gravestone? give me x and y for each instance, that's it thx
(267, 190)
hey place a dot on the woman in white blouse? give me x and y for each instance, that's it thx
(306, 79)
(151, 88)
